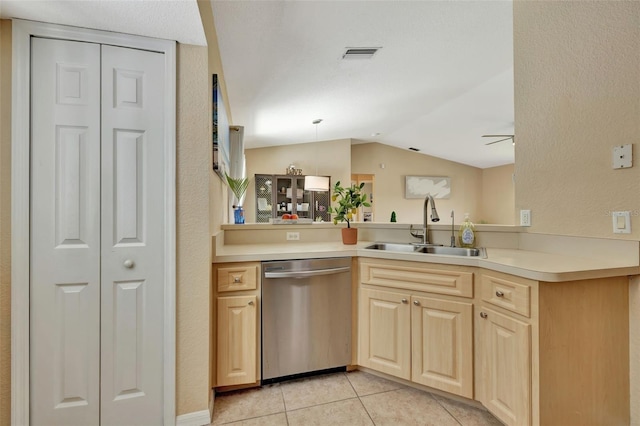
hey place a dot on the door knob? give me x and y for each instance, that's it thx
(128, 263)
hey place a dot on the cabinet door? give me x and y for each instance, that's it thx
(384, 324)
(442, 345)
(237, 340)
(265, 208)
(505, 367)
(320, 203)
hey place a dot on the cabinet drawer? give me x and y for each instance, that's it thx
(441, 281)
(507, 294)
(237, 277)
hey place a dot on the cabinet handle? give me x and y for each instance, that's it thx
(415, 302)
(237, 280)
(483, 315)
(499, 293)
(404, 301)
(250, 302)
(128, 263)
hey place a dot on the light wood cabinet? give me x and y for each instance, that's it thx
(236, 336)
(237, 340)
(237, 277)
(384, 324)
(505, 366)
(411, 334)
(442, 344)
(553, 353)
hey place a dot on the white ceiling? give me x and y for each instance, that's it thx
(443, 78)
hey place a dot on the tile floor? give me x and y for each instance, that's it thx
(349, 399)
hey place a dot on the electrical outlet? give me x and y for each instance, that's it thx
(525, 217)
(293, 236)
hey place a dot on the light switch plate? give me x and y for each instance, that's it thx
(621, 222)
(622, 156)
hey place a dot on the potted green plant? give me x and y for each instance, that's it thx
(238, 186)
(349, 200)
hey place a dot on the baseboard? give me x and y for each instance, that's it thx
(198, 418)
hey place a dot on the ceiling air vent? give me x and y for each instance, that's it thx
(360, 52)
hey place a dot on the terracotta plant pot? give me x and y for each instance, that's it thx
(349, 235)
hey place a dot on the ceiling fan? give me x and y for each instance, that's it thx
(504, 138)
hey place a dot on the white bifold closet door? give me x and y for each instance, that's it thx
(97, 234)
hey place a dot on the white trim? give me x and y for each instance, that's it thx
(20, 195)
(197, 418)
(20, 154)
(169, 373)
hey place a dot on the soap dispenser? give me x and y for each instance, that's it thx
(467, 232)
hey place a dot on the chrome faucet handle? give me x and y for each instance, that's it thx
(415, 233)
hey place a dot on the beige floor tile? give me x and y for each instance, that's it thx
(406, 406)
(246, 404)
(367, 384)
(279, 419)
(466, 414)
(316, 390)
(346, 412)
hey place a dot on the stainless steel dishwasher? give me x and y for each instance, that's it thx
(306, 316)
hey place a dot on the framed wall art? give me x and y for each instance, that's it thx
(420, 186)
(220, 130)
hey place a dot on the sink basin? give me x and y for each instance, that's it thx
(405, 248)
(430, 249)
(451, 251)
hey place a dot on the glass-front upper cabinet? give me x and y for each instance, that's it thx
(277, 195)
(264, 198)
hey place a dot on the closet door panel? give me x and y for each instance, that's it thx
(133, 179)
(65, 233)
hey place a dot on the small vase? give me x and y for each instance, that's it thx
(238, 215)
(349, 235)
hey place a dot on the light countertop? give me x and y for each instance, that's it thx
(534, 265)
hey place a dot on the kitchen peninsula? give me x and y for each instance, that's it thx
(537, 331)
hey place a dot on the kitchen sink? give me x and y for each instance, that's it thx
(429, 249)
(451, 251)
(404, 248)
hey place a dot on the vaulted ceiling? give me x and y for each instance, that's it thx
(443, 76)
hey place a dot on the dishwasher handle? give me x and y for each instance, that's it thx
(305, 274)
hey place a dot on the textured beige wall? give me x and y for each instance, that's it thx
(329, 158)
(498, 195)
(193, 238)
(218, 192)
(577, 94)
(491, 190)
(389, 187)
(634, 344)
(5, 222)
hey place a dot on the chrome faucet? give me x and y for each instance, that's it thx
(453, 232)
(425, 227)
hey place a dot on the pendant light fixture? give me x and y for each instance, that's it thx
(316, 183)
